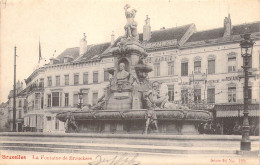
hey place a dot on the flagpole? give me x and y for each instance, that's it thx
(40, 53)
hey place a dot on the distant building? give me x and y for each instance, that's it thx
(195, 67)
(3, 117)
(20, 108)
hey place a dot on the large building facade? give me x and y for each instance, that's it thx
(195, 67)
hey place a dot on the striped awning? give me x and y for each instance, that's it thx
(236, 110)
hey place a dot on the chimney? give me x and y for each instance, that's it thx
(83, 45)
(21, 85)
(112, 38)
(227, 26)
(147, 29)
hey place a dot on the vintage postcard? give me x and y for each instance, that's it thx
(130, 82)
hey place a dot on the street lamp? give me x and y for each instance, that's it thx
(246, 51)
(80, 99)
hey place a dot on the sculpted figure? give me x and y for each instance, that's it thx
(159, 98)
(151, 121)
(70, 123)
(122, 75)
(131, 25)
(155, 98)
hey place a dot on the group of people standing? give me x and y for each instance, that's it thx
(216, 128)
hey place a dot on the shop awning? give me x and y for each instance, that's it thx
(235, 110)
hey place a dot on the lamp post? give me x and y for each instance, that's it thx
(80, 99)
(246, 51)
(14, 93)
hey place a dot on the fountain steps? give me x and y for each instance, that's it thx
(116, 145)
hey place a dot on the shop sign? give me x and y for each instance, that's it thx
(107, 60)
(161, 44)
(232, 78)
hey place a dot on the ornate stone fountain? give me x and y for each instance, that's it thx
(131, 104)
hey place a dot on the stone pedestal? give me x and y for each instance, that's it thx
(189, 129)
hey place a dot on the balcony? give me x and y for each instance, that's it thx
(36, 87)
(197, 77)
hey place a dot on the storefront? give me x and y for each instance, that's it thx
(228, 115)
(33, 123)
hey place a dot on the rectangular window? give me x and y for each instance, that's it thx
(85, 78)
(57, 80)
(211, 95)
(49, 81)
(67, 80)
(48, 118)
(197, 67)
(20, 103)
(76, 79)
(184, 69)
(170, 68)
(94, 98)
(41, 85)
(42, 102)
(56, 124)
(231, 94)
(197, 95)
(55, 99)
(37, 101)
(75, 100)
(184, 96)
(231, 64)
(211, 66)
(20, 114)
(85, 98)
(106, 75)
(49, 100)
(66, 99)
(171, 92)
(95, 77)
(157, 69)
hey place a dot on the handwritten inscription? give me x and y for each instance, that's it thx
(124, 159)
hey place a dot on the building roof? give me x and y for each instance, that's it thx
(3, 105)
(169, 34)
(219, 32)
(69, 52)
(94, 50)
(206, 35)
(241, 29)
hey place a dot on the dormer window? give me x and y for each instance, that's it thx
(53, 61)
(67, 59)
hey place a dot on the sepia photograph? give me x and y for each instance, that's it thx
(129, 82)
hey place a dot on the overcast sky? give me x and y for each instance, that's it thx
(61, 23)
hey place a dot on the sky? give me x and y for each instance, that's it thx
(60, 24)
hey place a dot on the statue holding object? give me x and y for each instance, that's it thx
(131, 25)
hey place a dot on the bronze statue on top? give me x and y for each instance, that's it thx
(131, 25)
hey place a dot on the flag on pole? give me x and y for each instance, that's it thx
(40, 53)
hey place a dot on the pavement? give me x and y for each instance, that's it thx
(125, 149)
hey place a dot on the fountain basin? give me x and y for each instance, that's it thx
(133, 121)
